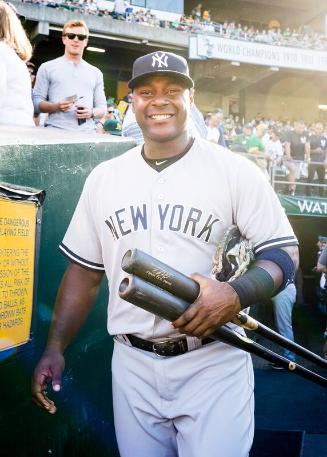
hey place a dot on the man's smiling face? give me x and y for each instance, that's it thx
(161, 105)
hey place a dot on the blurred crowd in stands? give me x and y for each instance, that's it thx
(295, 150)
(68, 93)
(198, 21)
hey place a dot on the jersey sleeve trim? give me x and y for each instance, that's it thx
(276, 243)
(76, 258)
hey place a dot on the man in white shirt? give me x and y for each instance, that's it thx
(214, 132)
(274, 146)
(68, 88)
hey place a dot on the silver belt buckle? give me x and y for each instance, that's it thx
(159, 344)
(170, 344)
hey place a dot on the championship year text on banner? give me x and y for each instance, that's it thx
(17, 251)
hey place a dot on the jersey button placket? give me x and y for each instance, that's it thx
(160, 197)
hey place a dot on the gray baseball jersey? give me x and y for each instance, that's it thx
(178, 215)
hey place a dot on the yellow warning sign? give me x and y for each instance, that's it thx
(17, 246)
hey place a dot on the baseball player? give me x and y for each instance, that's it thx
(172, 197)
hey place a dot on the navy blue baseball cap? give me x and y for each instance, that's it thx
(161, 63)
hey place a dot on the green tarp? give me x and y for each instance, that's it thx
(304, 206)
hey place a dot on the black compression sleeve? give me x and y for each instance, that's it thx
(254, 286)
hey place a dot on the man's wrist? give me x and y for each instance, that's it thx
(236, 298)
(255, 286)
(53, 350)
(55, 345)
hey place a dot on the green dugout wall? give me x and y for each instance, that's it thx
(57, 162)
(308, 216)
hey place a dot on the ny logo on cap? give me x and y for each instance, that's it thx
(160, 60)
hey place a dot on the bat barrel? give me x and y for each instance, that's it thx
(151, 298)
(145, 266)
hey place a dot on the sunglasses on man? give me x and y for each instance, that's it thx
(72, 36)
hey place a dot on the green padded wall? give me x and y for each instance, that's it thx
(57, 162)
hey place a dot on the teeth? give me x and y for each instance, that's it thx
(160, 117)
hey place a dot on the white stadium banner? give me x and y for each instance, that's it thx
(214, 47)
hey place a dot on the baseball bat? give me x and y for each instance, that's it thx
(161, 275)
(137, 262)
(249, 323)
(167, 306)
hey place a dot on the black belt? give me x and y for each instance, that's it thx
(165, 348)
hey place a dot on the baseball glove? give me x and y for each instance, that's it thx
(233, 256)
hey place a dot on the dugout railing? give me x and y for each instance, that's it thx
(278, 174)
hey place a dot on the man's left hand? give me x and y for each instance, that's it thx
(83, 113)
(216, 304)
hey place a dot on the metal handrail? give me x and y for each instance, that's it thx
(272, 166)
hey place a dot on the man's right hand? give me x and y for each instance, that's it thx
(65, 105)
(75, 298)
(49, 369)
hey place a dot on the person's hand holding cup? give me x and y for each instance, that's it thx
(82, 112)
